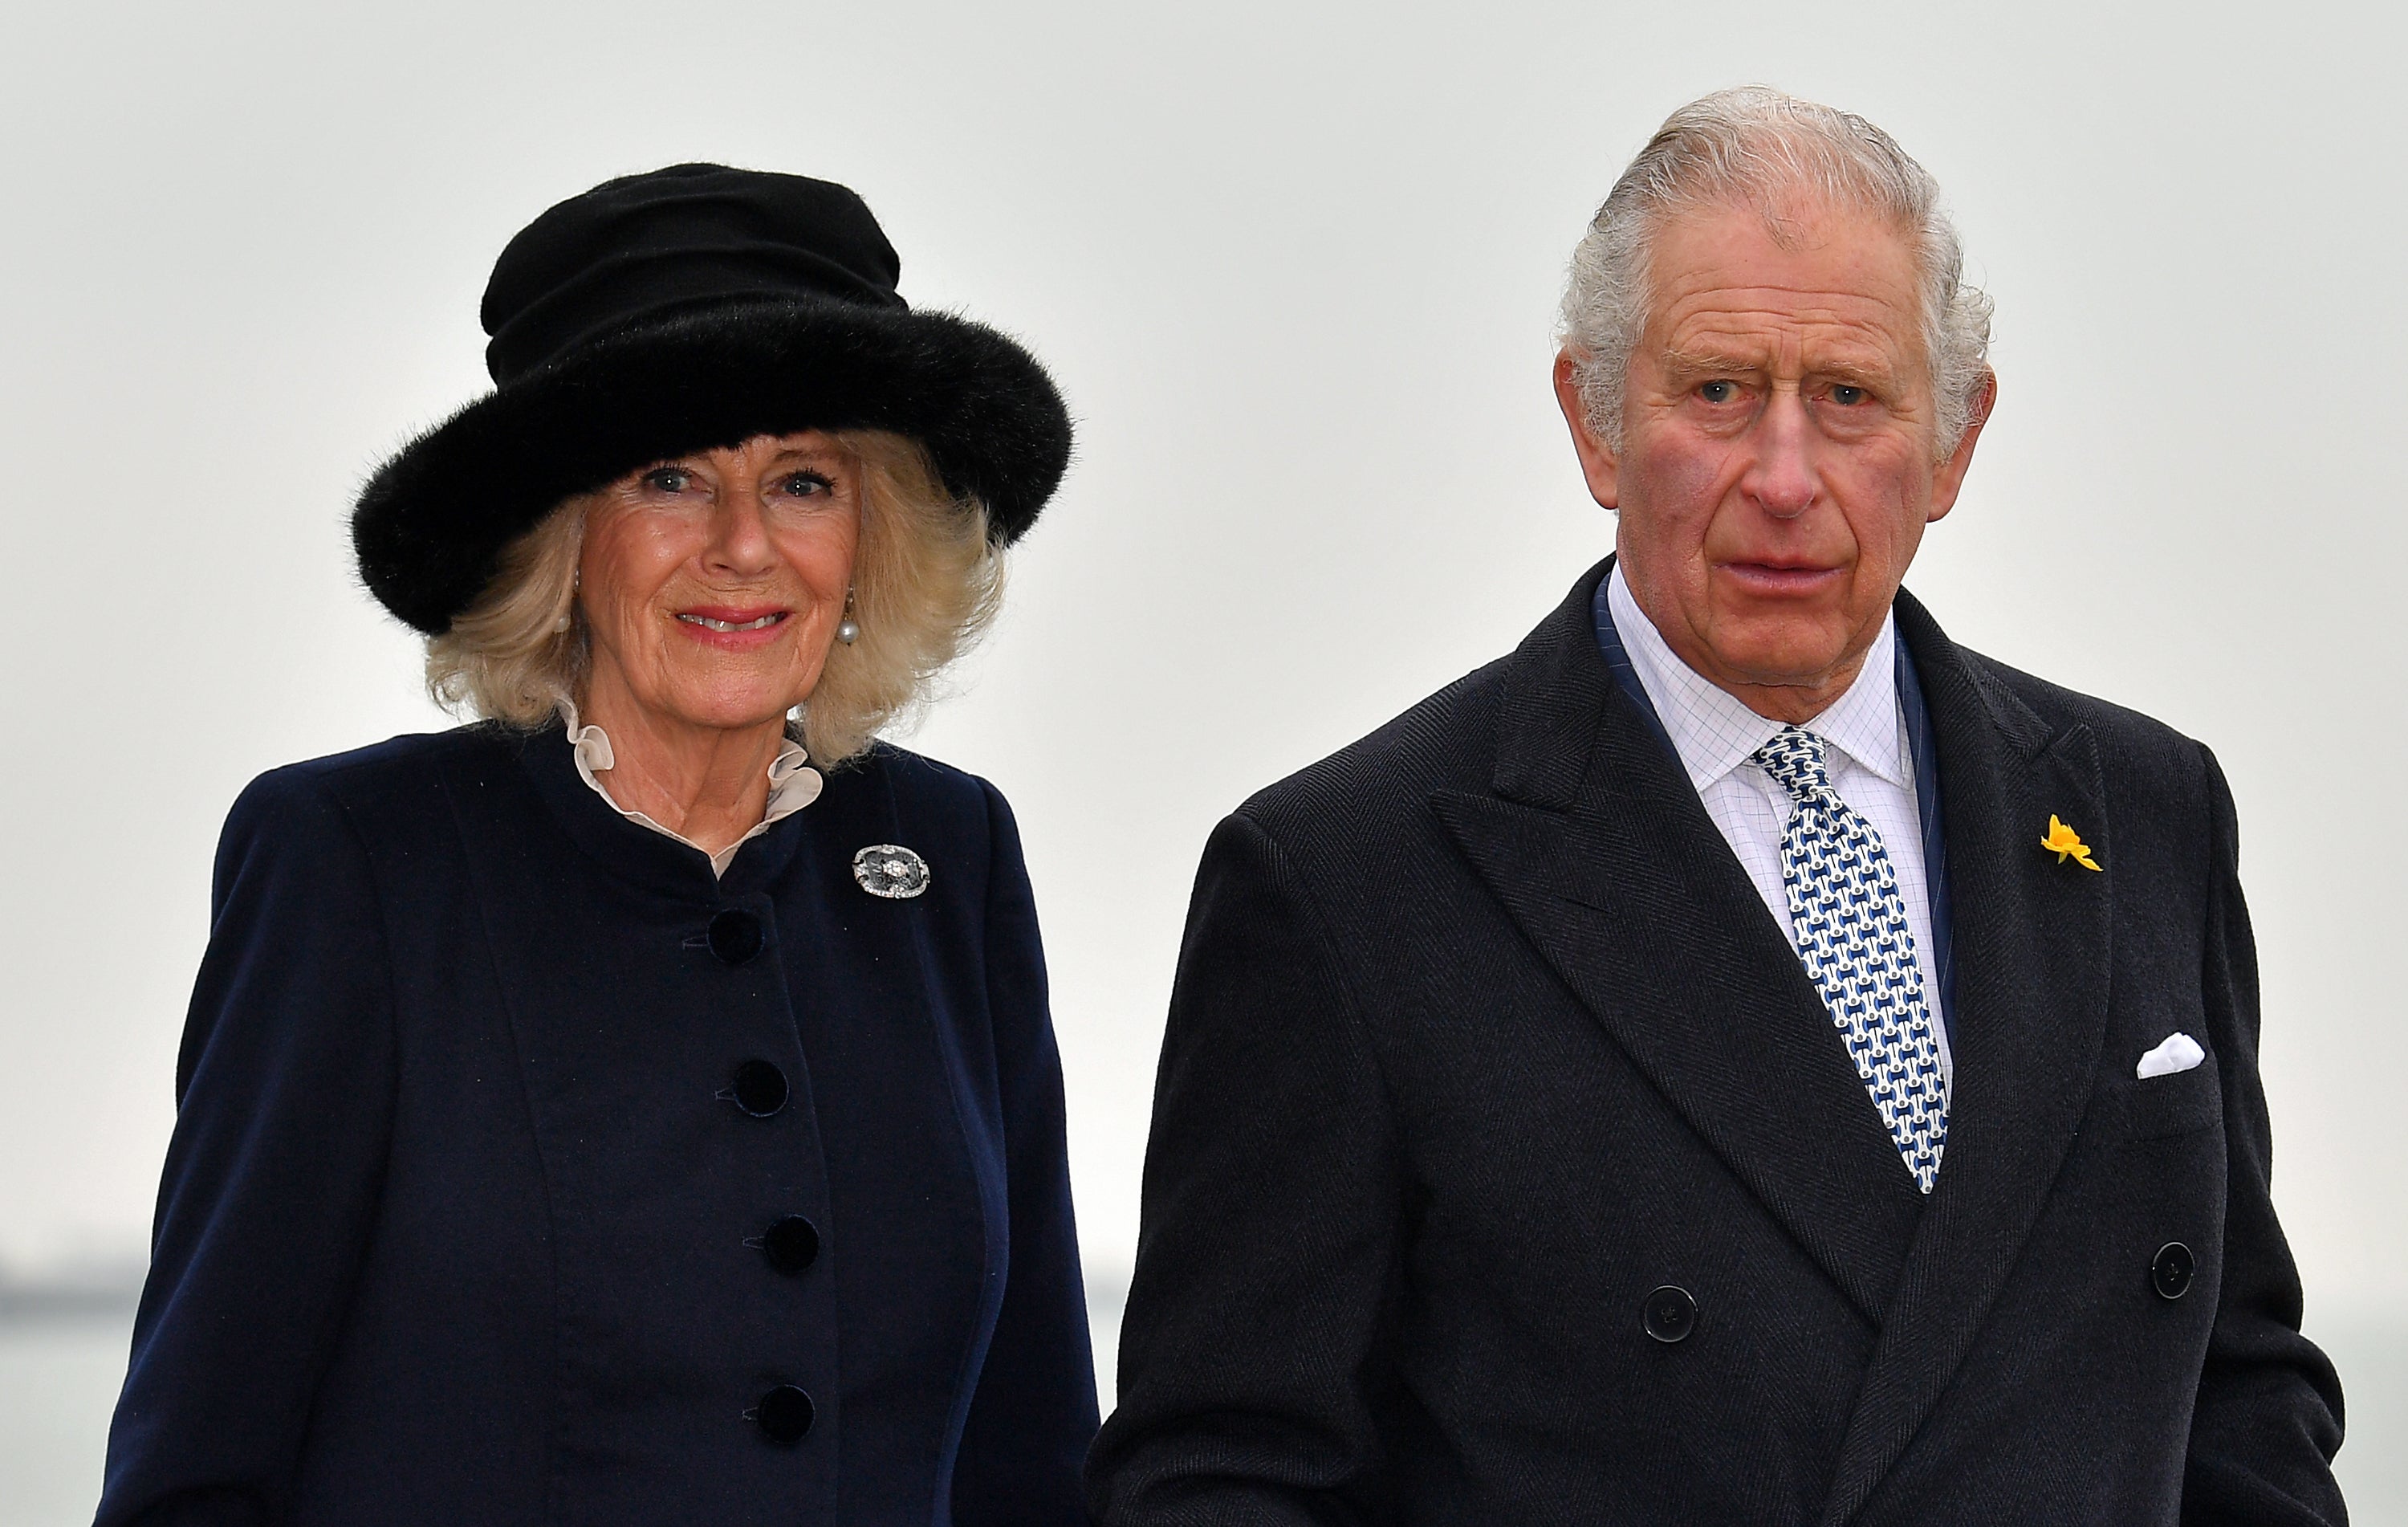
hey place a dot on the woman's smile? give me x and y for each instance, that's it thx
(734, 628)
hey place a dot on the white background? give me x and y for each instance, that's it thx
(1295, 267)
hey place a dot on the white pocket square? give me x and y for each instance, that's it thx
(2180, 1052)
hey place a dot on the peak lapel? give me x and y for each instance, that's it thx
(2031, 971)
(1598, 849)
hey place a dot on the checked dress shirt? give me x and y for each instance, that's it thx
(1867, 759)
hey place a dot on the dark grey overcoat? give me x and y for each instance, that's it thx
(1482, 1036)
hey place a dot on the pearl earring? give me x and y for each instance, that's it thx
(561, 625)
(848, 630)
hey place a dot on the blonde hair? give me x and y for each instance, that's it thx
(926, 584)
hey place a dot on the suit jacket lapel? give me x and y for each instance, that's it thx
(1925, 750)
(2031, 951)
(1598, 849)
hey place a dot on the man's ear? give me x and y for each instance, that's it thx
(1598, 461)
(1949, 478)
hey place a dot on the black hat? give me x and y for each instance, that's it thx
(692, 308)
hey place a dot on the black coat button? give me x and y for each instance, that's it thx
(792, 1243)
(784, 1414)
(735, 936)
(760, 1089)
(1669, 1313)
(2170, 1273)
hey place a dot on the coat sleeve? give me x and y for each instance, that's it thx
(1252, 1376)
(284, 1089)
(1034, 1412)
(2268, 1415)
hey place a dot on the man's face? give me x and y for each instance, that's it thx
(1777, 465)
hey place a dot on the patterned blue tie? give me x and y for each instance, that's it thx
(1852, 933)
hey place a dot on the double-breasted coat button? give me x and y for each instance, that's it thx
(2169, 1271)
(792, 1243)
(1669, 1313)
(760, 1089)
(784, 1414)
(735, 936)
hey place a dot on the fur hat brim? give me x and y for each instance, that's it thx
(431, 524)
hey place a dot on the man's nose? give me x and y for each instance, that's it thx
(1783, 478)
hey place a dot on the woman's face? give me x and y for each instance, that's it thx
(713, 583)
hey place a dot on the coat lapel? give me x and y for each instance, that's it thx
(1599, 851)
(2031, 943)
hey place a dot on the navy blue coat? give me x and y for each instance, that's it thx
(462, 1221)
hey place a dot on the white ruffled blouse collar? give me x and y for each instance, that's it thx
(793, 784)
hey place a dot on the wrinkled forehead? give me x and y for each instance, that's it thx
(1795, 281)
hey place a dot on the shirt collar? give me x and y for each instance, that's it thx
(792, 785)
(1714, 733)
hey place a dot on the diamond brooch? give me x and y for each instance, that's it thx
(890, 871)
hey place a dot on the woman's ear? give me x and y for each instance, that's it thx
(1598, 464)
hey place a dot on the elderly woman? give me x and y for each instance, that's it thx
(640, 1106)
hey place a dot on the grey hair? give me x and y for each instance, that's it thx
(926, 582)
(1757, 146)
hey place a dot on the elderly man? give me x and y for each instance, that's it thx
(1742, 1057)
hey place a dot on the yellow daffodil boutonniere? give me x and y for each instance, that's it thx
(2066, 843)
